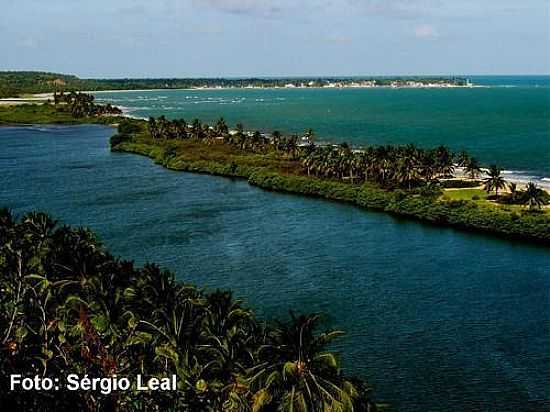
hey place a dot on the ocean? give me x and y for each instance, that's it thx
(504, 121)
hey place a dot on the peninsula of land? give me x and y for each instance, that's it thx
(431, 185)
(25, 84)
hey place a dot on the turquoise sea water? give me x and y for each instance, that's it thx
(437, 319)
(507, 121)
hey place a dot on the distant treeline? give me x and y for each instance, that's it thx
(14, 83)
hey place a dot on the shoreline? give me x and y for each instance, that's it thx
(43, 97)
(443, 212)
(285, 88)
(543, 182)
(470, 218)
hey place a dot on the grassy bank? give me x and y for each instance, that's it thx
(270, 173)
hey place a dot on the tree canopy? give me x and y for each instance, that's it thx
(68, 306)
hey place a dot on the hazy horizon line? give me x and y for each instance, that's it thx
(279, 76)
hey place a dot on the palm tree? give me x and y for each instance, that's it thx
(407, 172)
(180, 128)
(444, 161)
(68, 305)
(495, 181)
(309, 161)
(162, 125)
(472, 168)
(291, 146)
(256, 141)
(298, 374)
(513, 187)
(221, 127)
(196, 129)
(310, 135)
(534, 197)
(276, 139)
(428, 165)
(153, 128)
(462, 159)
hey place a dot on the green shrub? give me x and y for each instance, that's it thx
(399, 195)
(429, 191)
(129, 126)
(459, 183)
(118, 138)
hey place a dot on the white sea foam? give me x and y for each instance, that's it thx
(524, 177)
(124, 109)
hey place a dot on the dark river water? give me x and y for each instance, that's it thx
(436, 319)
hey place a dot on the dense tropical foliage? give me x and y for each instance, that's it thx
(407, 167)
(391, 166)
(82, 105)
(404, 180)
(68, 306)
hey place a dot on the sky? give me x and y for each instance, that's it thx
(215, 38)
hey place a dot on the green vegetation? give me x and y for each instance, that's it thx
(494, 181)
(68, 306)
(533, 197)
(471, 167)
(466, 194)
(14, 84)
(403, 180)
(460, 183)
(34, 114)
(69, 109)
(82, 105)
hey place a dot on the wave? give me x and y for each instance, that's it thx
(524, 177)
(132, 116)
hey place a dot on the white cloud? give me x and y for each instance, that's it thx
(339, 39)
(426, 31)
(255, 7)
(395, 8)
(27, 42)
